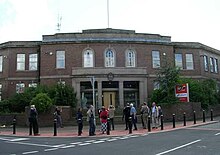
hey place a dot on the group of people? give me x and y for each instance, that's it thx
(154, 112)
(129, 114)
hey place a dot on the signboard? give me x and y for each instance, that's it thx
(182, 92)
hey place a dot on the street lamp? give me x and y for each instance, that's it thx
(92, 80)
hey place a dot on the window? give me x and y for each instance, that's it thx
(0, 91)
(189, 61)
(179, 61)
(1, 63)
(216, 65)
(205, 60)
(34, 85)
(130, 58)
(20, 62)
(60, 59)
(156, 59)
(156, 85)
(109, 58)
(20, 88)
(211, 64)
(88, 58)
(33, 62)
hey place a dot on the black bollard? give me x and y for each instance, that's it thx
(30, 128)
(211, 115)
(194, 116)
(130, 125)
(161, 122)
(184, 119)
(174, 121)
(108, 126)
(203, 115)
(55, 127)
(148, 124)
(14, 126)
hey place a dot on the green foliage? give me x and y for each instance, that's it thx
(167, 78)
(64, 95)
(42, 102)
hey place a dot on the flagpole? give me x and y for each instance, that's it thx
(108, 11)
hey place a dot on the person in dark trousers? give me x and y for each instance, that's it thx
(33, 120)
(111, 114)
(126, 115)
(57, 115)
(91, 120)
(79, 117)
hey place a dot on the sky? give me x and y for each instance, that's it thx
(183, 20)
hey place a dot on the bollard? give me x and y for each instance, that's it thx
(194, 116)
(30, 128)
(203, 115)
(55, 127)
(14, 126)
(108, 126)
(130, 125)
(148, 124)
(174, 122)
(184, 119)
(211, 115)
(161, 122)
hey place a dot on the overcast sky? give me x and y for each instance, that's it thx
(183, 20)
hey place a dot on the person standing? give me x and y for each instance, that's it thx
(160, 112)
(103, 117)
(33, 120)
(145, 112)
(91, 120)
(133, 113)
(57, 114)
(126, 115)
(154, 115)
(79, 118)
(111, 114)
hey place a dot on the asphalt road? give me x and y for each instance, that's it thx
(202, 140)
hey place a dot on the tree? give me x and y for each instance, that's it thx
(42, 102)
(167, 78)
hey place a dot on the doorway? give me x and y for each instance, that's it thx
(109, 99)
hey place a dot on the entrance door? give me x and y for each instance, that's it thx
(109, 99)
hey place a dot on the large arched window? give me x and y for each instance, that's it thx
(109, 58)
(130, 58)
(88, 57)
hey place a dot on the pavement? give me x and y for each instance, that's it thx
(72, 131)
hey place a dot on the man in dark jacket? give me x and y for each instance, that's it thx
(126, 115)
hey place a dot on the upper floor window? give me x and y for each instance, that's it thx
(130, 58)
(179, 61)
(109, 58)
(216, 65)
(1, 63)
(211, 64)
(156, 85)
(205, 60)
(20, 87)
(189, 61)
(156, 59)
(60, 59)
(33, 61)
(20, 62)
(88, 57)
(33, 85)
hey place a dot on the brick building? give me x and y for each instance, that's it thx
(122, 64)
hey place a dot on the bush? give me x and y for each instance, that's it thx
(42, 102)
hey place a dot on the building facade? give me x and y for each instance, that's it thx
(107, 66)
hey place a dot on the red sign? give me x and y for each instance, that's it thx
(182, 92)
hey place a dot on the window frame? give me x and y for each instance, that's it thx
(1, 63)
(91, 57)
(215, 65)
(60, 59)
(110, 58)
(191, 67)
(179, 64)
(130, 58)
(156, 60)
(33, 62)
(20, 62)
(206, 63)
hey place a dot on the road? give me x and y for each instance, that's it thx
(201, 140)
